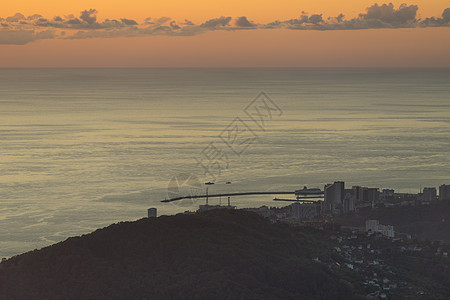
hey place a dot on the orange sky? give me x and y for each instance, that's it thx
(252, 48)
(199, 10)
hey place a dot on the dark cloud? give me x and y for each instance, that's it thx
(42, 22)
(432, 22)
(89, 16)
(74, 21)
(315, 19)
(128, 22)
(187, 23)
(244, 22)
(16, 18)
(388, 14)
(216, 23)
(305, 19)
(174, 25)
(34, 17)
(376, 16)
(437, 22)
(446, 15)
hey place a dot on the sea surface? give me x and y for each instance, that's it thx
(83, 148)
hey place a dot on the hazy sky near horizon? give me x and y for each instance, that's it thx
(231, 33)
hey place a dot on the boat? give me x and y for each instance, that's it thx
(309, 192)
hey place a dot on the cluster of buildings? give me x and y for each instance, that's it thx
(372, 257)
(337, 200)
(341, 200)
(359, 255)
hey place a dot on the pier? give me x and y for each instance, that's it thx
(299, 199)
(227, 195)
(299, 196)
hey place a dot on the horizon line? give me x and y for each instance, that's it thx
(236, 67)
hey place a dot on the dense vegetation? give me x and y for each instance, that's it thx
(220, 254)
(427, 222)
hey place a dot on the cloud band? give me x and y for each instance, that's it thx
(20, 30)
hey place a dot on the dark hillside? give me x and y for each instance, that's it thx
(219, 254)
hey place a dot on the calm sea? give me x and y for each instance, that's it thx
(83, 148)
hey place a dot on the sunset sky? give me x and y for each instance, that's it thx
(200, 33)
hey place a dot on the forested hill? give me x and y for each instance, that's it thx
(220, 254)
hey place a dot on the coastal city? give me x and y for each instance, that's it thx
(369, 254)
(313, 206)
